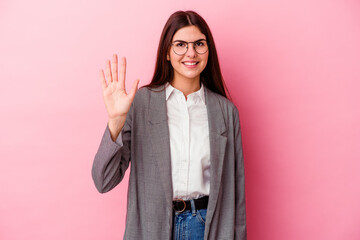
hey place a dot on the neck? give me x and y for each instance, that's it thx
(185, 85)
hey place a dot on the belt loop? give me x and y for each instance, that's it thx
(193, 207)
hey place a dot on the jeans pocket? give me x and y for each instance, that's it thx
(201, 215)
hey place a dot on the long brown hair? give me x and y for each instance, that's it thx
(211, 76)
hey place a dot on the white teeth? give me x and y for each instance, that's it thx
(187, 63)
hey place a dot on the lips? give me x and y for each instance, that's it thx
(190, 63)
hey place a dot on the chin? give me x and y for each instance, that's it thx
(191, 76)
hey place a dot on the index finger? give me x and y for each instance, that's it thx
(122, 72)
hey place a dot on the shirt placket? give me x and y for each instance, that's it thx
(184, 155)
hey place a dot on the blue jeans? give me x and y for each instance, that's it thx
(190, 224)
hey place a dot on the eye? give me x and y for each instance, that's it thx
(200, 43)
(180, 44)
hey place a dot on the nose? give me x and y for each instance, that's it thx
(191, 50)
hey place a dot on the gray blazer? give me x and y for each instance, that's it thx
(146, 143)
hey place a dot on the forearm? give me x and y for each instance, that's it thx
(110, 162)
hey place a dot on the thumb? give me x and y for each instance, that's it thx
(134, 88)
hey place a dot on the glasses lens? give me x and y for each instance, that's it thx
(180, 48)
(201, 47)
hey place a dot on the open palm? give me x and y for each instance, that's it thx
(117, 101)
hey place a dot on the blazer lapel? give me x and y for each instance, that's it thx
(160, 140)
(218, 139)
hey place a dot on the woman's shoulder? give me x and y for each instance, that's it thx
(144, 90)
(224, 102)
(143, 94)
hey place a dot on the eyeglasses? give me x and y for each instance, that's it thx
(181, 47)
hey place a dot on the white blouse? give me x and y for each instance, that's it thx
(189, 143)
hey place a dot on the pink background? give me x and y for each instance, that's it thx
(293, 69)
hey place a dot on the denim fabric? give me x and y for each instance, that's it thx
(190, 224)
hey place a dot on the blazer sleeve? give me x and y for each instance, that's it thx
(112, 158)
(240, 224)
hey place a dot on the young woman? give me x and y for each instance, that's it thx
(182, 136)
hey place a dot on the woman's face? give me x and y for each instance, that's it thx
(191, 64)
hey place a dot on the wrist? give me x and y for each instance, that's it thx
(115, 126)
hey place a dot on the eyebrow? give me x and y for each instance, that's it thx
(201, 39)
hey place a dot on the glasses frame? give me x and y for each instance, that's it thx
(187, 46)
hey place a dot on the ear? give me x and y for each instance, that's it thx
(168, 54)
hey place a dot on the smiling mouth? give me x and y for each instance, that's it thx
(190, 63)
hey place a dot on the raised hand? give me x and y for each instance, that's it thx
(117, 101)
